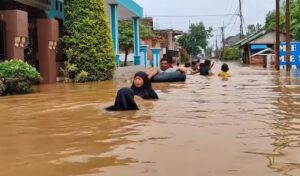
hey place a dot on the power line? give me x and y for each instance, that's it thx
(191, 16)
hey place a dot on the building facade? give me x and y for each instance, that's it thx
(29, 31)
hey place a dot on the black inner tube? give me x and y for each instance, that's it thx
(169, 77)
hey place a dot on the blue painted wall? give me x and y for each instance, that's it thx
(295, 54)
(56, 9)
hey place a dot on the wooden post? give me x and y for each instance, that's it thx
(288, 40)
(277, 47)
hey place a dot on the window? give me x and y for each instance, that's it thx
(61, 7)
(56, 5)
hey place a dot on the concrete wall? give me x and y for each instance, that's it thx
(269, 38)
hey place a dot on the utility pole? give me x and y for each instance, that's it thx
(223, 40)
(217, 49)
(241, 20)
(223, 36)
(288, 40)
(277, 45)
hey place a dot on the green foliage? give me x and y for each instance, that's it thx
(126, 35)
(208, 51)
(69, 72)
(294, 16)
(17, 77)
(230, 54)
(87, 40)
(82, 76)
(195, 39)
(254, 28)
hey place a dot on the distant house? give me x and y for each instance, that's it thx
(231, 40)
(166, 39)
(259, 47)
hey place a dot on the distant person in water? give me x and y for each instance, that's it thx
(164, 67)
(224, 71)
(205, 68)
(127, 98)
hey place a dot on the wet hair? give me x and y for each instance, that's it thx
(203, 70)
(224, 68)
(187, 64)
(207, 62)
(163, 59)
(146, 91)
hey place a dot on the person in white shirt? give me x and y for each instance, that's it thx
(164, 67)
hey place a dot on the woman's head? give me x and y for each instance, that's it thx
(142, 87)
(141, 80)
(224, 68)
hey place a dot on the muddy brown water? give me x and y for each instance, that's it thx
(244, 126)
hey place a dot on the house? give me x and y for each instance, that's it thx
(257, 42)
(30, 30)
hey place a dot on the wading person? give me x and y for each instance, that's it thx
(128, 98)
(164, 67)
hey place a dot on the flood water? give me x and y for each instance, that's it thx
(248, 125)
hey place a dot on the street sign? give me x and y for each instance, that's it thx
(295, 54)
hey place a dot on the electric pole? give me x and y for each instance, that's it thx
(241, 20)
(223, 41)
(217, 49)
(223, 36)
(288, 40)
(277, 47)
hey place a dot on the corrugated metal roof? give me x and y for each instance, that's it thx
(250, 38)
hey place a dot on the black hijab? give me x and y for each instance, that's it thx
(146, 91)
(124, 101)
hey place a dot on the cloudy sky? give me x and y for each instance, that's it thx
(178, 14)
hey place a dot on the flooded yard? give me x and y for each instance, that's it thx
(248, 125)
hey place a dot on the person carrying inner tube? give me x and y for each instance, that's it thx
(128, 98)
(164, 67)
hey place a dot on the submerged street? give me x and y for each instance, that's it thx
(244, 126)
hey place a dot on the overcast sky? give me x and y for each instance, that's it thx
(192, 11)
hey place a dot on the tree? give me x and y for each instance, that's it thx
(126, 35)
(295, 21)
(253, 28)
(87, 40)
(230, 54)
(195, 39)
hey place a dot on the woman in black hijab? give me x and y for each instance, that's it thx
(124, 101)
(142, 86)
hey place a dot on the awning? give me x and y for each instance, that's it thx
(127, 9)
(257, 47)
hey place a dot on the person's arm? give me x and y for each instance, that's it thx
(151, 72)
(212, 65)
(182, 70)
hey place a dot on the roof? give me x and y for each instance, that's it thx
(251, 38)
(127, 9)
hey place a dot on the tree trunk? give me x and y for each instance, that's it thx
(126, 54)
